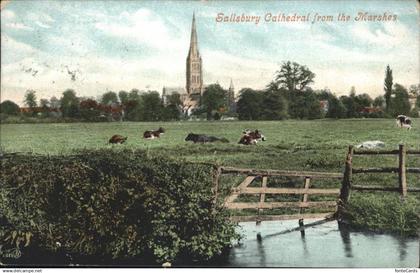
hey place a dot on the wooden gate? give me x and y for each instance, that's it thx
(306, 190)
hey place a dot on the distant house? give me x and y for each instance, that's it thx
(324, 105)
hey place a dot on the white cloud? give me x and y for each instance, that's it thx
(19, 26)
(144, 27)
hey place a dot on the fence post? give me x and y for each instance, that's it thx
(347, 178)
(402, 179)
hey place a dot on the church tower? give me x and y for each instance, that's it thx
(194, 67)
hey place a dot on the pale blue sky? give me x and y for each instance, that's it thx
(120, 45)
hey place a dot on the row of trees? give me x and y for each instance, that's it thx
(287, 96)
(132, 106)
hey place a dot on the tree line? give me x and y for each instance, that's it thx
(131, 106)
(288, 95)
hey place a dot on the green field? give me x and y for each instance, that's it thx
(318, 145)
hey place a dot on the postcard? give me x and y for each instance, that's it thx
(260, 134)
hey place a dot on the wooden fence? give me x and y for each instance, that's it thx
(402, 171)
(343, 193)
(251, 175)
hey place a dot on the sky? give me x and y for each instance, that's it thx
(97, 46)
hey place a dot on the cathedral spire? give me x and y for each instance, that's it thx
(194, 66)
(193, 41)
(231, 85)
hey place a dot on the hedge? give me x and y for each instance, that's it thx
(120, 204)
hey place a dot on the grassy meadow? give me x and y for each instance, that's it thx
(318, 145)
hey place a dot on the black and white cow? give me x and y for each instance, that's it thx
(152, 134)
(404, 122)
(251, 137)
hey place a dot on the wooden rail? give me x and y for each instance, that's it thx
(401, 170)
(253, 172)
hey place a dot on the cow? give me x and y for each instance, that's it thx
(117, 139)
(204, 138)
(403, 122)
(251, 137)
(152, 134)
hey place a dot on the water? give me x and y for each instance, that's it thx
(324, 245)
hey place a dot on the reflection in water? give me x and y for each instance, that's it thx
(402, 247)
(325, 245)
(345, 237)
(261, 251)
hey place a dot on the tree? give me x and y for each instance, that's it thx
(123, 96)
(379, 101)
(336, 108)
(294, 77)
(54, 102)
(69, 104)
(30, 99)
(152, 106)
(89, 110)
(250, 104)
(214, 98)
(44, 103)
(388, 88)
(8, 107)
(400, 104)
(109, 98)
(274, 104)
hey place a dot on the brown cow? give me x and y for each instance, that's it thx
(117, 139)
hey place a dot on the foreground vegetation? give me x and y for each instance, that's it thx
(115, 204)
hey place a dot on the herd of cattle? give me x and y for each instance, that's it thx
(248, 137)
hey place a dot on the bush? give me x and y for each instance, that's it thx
(108, 203)
(384, 213)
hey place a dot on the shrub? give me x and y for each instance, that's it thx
(108, 203)
(384, 213)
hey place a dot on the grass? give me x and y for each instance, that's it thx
(318, 145)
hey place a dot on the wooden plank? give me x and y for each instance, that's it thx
(413, 152)
(235, 191)
(252, 190)
(262, 195)
(392, 152)
(305, 196)
(381, 188)
(347, 176)
(412, 170)
(402, 179)
(253, 218)
(254, 172)
(376, 170)
(273, 205)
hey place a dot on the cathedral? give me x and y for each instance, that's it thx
(191, 94)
